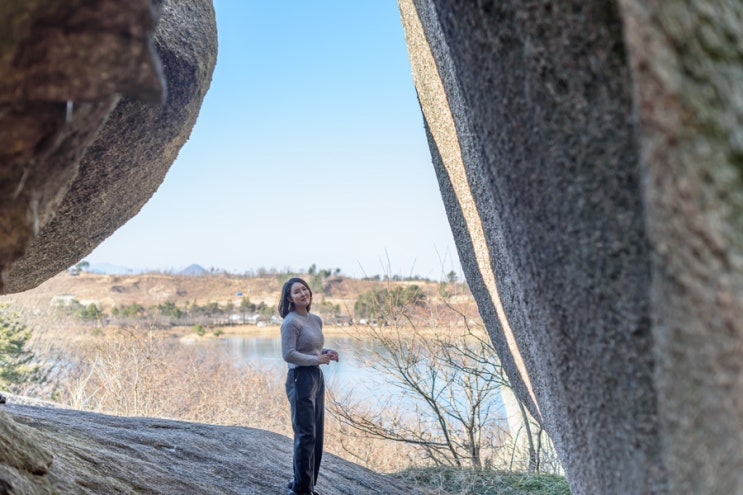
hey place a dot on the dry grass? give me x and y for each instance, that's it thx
(137, 373)
(141, 373)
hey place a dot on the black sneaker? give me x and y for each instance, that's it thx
(290, 486)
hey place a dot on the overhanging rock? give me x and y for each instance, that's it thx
(78, 160)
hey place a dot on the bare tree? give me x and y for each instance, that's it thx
(451, 375)
(451, 380)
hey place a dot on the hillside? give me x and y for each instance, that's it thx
(152, 289)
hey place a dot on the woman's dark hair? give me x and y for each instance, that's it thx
(285, 304)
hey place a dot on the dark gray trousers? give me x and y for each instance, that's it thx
(305, 388)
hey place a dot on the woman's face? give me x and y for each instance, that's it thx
(300, 295)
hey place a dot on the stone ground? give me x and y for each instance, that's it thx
(99, 454)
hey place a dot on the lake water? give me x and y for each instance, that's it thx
(350, 374)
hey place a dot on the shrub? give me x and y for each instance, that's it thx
(15, 359)
(467, 482)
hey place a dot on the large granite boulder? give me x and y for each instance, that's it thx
(96, 99)
(589, 154)
(85, 453)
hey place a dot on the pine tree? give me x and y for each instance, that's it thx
(15, 359)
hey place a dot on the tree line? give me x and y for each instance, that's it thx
(169, 313)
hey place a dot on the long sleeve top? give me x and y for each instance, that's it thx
(302, 339)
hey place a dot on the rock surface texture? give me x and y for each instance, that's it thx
(589, 154)
(96, 99)
(87, 453)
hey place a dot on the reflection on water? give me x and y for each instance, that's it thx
(350, 373)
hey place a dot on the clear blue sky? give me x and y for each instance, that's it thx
(309, 149)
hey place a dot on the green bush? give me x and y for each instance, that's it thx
(467, 482)
(15, 359)
(91, 312)
(169, 309)
(378, 303)
(134, 310)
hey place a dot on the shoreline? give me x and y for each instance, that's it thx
(274, 330)
(253, 331)
(329, 331)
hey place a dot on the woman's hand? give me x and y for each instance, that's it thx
(323, 359)
(327, 356)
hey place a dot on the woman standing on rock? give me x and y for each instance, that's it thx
(302, 347)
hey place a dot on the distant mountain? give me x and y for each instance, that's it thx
(111, 269)
(194, 271)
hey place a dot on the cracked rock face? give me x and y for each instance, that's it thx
(96, 99)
